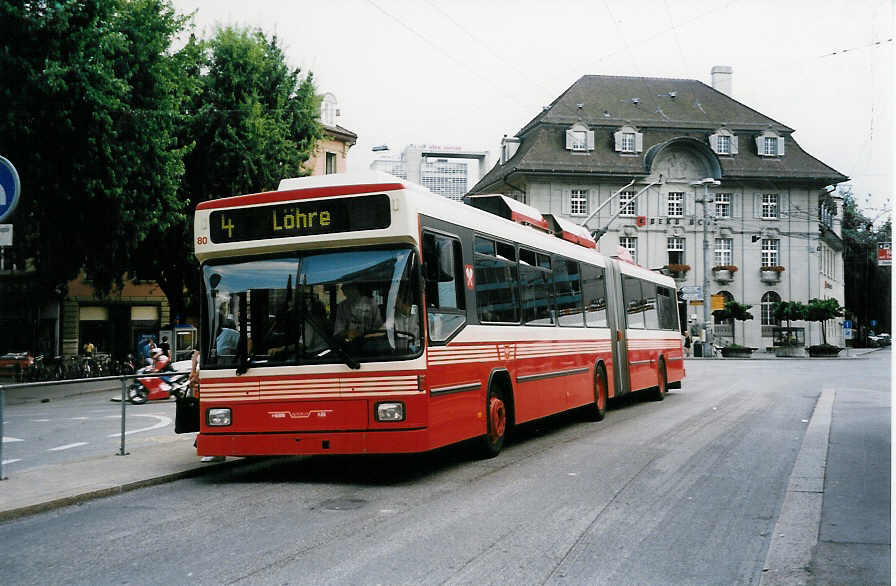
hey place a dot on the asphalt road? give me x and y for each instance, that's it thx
(687, 491)
(51, 424)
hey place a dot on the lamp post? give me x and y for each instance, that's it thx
(707, 298)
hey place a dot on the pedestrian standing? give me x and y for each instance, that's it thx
(687, 344)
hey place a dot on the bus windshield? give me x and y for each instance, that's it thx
(307, 308)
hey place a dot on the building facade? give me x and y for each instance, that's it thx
(331, 152)
(666, 165)
(446, 171)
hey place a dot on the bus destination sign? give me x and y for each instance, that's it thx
(301, 218)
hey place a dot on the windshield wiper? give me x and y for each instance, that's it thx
(333, 343)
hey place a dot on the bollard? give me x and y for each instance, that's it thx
(2, 395)
(124, 400)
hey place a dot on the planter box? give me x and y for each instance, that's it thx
(790, 351)
(824, 353)
(769, 276)
(723, 276)
(737, 352)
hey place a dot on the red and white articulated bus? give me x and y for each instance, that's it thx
(360, 313)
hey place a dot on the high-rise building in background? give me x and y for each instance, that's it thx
(445, 170)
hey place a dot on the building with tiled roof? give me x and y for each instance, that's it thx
(330, 153)
(624, 155)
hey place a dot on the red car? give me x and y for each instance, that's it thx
(12, 363)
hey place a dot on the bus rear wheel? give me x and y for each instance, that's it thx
(661, 383)
(496, 415)
(598, 410)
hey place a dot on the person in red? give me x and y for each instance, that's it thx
(160, 360)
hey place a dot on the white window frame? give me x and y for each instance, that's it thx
(630, 243)
(628, 205)
(627, 144)
(766, 308)
(675, 244)
(769, 206)
(770, 146)
(675, 204)
(723, 144)
(578, 202)
(723, 205)
(580, 140)
(770, 251)
(724, 251)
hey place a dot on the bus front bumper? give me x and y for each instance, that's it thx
(323, 442)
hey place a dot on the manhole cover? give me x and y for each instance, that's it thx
(343, 504)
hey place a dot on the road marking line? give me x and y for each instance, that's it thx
(78, 418)
(39, 420)
(67, 447)
(9, 440)
(5, 462)
(164, 421)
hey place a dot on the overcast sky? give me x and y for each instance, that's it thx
(466, 72)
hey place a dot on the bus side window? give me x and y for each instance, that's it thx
(443, 281)
(651, 317)
(634, 302)
(568, 291)
(595, 289)
(668, 309)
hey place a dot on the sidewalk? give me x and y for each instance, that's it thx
(58, 485)
(853, 354)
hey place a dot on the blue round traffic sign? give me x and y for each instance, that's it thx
(10, 188)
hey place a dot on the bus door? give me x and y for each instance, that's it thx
(616, 321)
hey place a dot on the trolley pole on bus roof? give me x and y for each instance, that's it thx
(707, 298)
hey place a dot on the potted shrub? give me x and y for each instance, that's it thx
(821, 310)
(789, 344)
(724, 273)
(678, 271)
(771, 274)
(739, 312)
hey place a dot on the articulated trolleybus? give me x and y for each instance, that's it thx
(350, 314)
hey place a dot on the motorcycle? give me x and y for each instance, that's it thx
(175, 384)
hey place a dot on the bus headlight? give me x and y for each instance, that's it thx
(389, 412)
(218, 417)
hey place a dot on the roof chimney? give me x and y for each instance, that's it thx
(721, 78)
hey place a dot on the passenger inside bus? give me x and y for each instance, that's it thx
(404, 333)
(228, 338)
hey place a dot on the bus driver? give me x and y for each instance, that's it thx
(358, 314)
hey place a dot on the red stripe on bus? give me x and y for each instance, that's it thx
(293, 194)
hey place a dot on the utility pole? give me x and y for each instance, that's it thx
(707, 298)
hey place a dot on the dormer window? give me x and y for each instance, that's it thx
(328, 111)
(723, 142)
(628, 140)
(769, 144)
(579, 138)
(724, 145)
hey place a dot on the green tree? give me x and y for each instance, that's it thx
(91, 103)
(867, 286)
(822, 310)
(789, 311)
(254, 121)
(733, 310)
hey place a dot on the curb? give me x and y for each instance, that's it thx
(28, 510)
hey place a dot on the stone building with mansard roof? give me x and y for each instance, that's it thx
(650, 140)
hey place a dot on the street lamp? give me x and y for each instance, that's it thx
(707, 344)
